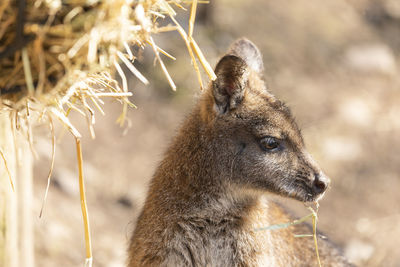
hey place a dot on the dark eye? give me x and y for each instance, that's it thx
(269, 143)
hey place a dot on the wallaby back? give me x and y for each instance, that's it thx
(211, 191)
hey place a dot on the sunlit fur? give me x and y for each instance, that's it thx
(213, 187)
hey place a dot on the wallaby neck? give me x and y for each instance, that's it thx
(190, 179)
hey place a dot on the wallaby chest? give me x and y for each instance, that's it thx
(236, 241)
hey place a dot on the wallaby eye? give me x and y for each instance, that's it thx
(270, 143)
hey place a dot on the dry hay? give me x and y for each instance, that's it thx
(58, 56)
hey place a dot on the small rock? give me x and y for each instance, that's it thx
(125, 201)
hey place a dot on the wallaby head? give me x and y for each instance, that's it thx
(260, 145)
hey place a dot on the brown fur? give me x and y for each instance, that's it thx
(212, 189)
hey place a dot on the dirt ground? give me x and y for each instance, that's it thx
(335, 63)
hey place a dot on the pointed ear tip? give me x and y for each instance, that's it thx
(249, 52)
(243, 43)
(244, 40)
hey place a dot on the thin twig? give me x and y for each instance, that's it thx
(284, 225)
(132, 68)
(314, 224)
(38, 48)
(312, 215)
(64, 120)
(189, 48)
(122, 117)
(129, 51)
(27, 72)
(165, 29)
(203, 60)
(90, 121)
(192, 18)
(164, 69)
(165, 53)
(53, 155)
(120, 94)
(8, 171)
(88, 242)
(29, 130)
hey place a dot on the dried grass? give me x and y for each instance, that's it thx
(8, 171)
(313, 215)
(60, 56)
(68, 49)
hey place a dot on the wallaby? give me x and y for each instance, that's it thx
(211, 192)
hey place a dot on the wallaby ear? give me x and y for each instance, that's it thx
(228, 89)
(249, 52)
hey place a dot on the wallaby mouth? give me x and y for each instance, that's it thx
(309, 190)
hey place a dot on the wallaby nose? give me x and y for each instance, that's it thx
(320, 184)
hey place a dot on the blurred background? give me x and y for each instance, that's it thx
(335, 63)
